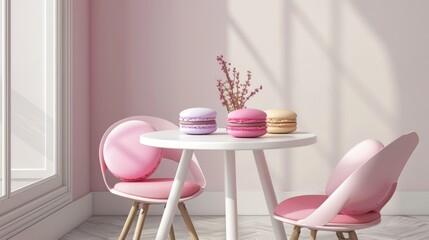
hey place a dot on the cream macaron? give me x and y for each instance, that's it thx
(281, 121)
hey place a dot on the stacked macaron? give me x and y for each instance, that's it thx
(281, 121)
(247, 123)
(198, 121)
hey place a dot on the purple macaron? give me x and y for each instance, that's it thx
(198, 121)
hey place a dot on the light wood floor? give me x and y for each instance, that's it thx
(250, 228)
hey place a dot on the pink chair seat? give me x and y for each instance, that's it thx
(301, 207)
(156, 188)
(362, 183)
(120, 150)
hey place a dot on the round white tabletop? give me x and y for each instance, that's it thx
(221, 140)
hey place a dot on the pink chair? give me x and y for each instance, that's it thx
(122, 139)
(362, 183)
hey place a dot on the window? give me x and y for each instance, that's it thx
(35, 111)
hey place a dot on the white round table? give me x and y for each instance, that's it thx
(220, 140)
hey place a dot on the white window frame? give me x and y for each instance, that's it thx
(21, 209)
(48, 165)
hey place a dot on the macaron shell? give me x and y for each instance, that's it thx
(247, 114)
(246, 133)
(280, 113)
(198, 113)
(281, 128)
(198, 129)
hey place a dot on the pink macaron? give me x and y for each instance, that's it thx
(247, 123)
(198, 120)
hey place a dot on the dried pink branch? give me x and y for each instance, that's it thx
(232, 93)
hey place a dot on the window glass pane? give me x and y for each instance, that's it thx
(32, 92)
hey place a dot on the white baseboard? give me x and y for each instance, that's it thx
(209, 203)
(54, 226)
(252, 203)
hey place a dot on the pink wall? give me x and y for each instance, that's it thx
(331, 61)
(151, 58)
(81, 131)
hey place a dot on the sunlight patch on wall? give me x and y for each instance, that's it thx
(368, 84)
(323, 60)
(352, 99)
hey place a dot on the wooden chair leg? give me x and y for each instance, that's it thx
(340, 236)
(313, 234)
(295, 233)
(140, 221)
(188, 222)
(353, 235)
(172, 236)
(129, 221)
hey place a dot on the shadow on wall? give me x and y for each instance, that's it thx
(402, 26)
(353, 69)
(378, 56)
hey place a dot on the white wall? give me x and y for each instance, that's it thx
(350, 69)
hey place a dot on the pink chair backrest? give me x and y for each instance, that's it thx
(372, 185)
(172, 154)
(352, 160)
